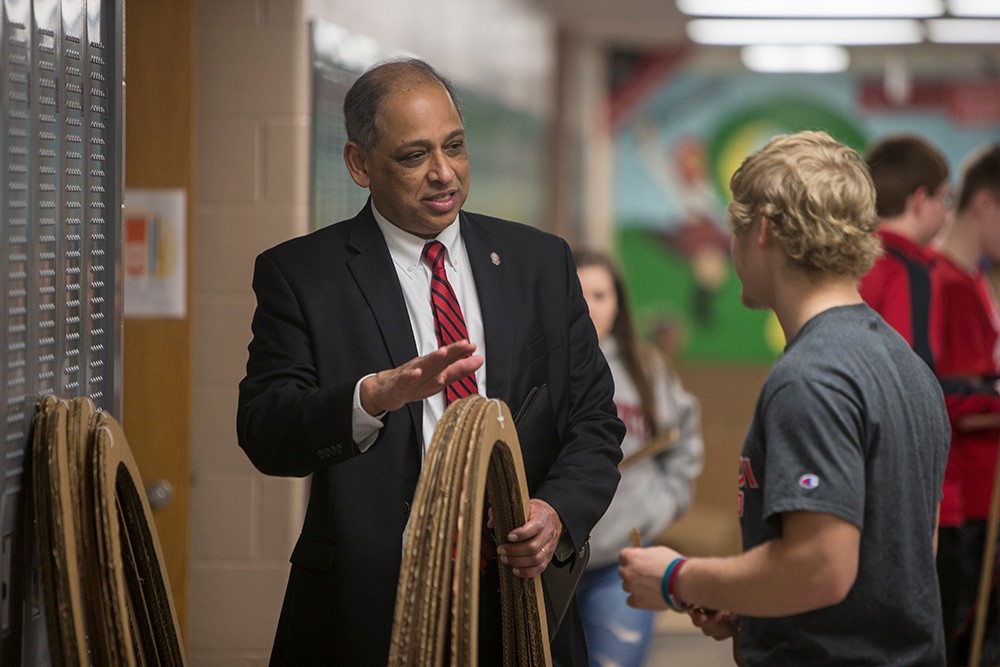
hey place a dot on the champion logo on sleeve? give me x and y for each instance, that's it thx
(809, 481)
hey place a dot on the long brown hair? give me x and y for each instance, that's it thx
(631, 348)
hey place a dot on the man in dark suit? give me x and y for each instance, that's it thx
(345, 379)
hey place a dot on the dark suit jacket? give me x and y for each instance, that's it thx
(329, 311)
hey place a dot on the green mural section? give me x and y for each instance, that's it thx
(749, 128)
(673, 165)
(718, 328)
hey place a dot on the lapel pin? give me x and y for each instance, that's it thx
(495, 258)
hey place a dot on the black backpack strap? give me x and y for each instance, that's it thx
(920, 305)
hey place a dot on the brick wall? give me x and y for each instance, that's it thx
(252, 105)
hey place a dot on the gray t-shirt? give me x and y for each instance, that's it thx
(852, 423)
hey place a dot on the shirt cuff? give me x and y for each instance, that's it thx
(364, 427)
(564, 548)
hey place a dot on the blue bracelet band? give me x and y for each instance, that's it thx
(664, 589)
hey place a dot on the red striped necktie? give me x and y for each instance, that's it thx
(449, 324)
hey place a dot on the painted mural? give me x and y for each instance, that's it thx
(680, 139)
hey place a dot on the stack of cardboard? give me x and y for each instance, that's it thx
(106, 594)
(474, 454)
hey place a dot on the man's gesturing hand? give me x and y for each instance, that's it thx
(418, 378)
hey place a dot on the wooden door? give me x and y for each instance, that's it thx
(159, 140)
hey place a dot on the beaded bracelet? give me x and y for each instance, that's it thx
(667, 585)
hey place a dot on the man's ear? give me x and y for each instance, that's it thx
(357, 163)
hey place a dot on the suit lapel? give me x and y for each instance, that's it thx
(375, 275)
(494, 302)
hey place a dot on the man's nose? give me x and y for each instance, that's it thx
(441, 170)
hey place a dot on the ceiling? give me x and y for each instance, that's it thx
(636, 23)
(651, 24)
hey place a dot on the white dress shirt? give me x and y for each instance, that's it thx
(414, 277)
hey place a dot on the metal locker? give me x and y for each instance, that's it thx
(61, 92)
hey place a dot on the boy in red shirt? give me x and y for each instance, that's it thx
(912, 198)
(967, 330)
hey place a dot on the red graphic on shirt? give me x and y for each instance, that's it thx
(746, 480)
(635, 421)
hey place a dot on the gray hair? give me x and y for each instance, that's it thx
(364, 100)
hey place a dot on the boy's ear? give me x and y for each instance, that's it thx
(763, 231)
(919, 198)
(983, 200)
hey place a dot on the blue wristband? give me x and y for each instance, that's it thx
(664, 583)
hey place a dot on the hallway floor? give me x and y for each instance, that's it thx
(680, 644)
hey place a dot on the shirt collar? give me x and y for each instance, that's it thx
(406, 248)
(923, 254)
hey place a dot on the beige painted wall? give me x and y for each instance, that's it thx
(252, 155)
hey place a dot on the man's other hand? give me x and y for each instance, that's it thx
(529, 548)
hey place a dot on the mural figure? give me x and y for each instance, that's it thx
(697, 232)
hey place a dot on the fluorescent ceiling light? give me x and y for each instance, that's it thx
(816, 8)
(973, 7)
(814, 59)
(964, 31)
(805, 31)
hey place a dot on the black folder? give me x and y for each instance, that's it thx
(536, 428)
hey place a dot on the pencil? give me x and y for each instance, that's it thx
(636, 542)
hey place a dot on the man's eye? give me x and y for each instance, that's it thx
(456, 146)
(413, 157)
